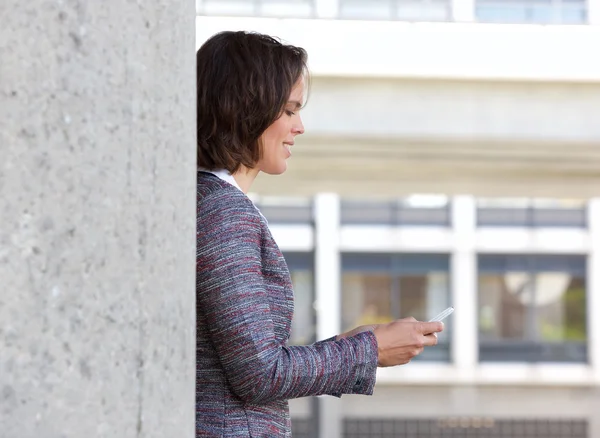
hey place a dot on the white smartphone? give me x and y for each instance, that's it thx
(442, 315)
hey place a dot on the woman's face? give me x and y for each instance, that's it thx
(277, 140)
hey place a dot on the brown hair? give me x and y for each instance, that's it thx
(243, 83)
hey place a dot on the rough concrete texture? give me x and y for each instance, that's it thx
(97, 178)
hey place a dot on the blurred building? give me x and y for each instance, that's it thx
(451, 157)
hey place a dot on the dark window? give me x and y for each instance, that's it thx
(368, 212)
(532, 308)
(302, 273)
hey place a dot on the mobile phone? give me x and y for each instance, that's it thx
(442, 315)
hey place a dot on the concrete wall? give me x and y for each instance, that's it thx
(372, 167)
(434, 110)
(97, 219)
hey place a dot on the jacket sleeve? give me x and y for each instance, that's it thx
(232, 297)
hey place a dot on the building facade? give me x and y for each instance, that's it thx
(522, 349)
(451, 157)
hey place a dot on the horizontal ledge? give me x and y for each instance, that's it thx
(522, 374)
(293, 238)
(461, 76)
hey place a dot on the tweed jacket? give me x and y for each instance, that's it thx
(245, 371)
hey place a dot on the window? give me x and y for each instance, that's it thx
(285, 210)
(267, 8)
(531, 213)
(532, 11)
(532, 308)
(415, 211)
(410, 10)
(303, 323)
(379, 288)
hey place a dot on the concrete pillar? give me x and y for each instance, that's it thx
(464, 286)
(97, 177)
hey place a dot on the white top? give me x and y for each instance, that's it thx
(225, 176)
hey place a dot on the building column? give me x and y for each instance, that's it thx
(593, 417)
(327, 265)
(97, 189)
(327, 8)
(593, 310)
(328, 297)
(463, 11)
(593, 282)
(593, 10)
(464, 286)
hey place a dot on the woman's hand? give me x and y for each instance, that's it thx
(400, 341)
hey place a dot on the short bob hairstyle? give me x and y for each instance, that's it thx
(244, 80)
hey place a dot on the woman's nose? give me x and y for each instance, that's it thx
(298, 128)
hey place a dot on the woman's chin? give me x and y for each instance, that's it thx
(276, 170)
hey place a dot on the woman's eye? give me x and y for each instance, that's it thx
(290, 113)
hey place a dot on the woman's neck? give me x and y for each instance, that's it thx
(245, 177)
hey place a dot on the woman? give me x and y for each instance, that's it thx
(250, 92)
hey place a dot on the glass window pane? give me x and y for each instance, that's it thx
(423, 297)
(568, 264)
(366, 299)
(381, 263)
(502, 314)
(560, 300)
(303, 329)
(533, 313)
(303, 323)
(389, 287)
(532, 11)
